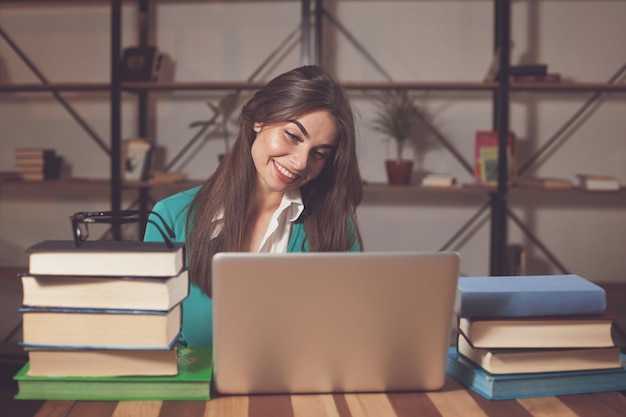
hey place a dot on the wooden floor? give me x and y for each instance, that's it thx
(12, 357)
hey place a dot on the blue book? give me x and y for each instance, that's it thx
(511, 386)
(528, 296)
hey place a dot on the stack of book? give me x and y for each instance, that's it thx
(36, 164)
(522, 336)
(533, 73)
(101, 322)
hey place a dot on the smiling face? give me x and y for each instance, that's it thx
(288, 155)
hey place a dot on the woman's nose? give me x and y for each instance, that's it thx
(300, 158)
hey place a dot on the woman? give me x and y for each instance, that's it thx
(290, 183)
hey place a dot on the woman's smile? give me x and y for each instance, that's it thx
(285, 172)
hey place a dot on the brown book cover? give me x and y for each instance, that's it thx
(537, 78)
(139, 64)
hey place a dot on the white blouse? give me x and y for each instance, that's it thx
(276, 239)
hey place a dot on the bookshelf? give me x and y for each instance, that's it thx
(501, 93)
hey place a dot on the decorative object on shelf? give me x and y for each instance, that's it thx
(399, 118)
(135, 157)
(486, 157)
(493, 69)
(221, 114)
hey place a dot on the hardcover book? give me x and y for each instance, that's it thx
(92, 328)
(527, 296)
(547, 183)
(521, 361)
(537, 78)
(139, 63)
(591, 182)
(192, 383)
(486, 157)
(38, 164)
(511, 386)
(105, 258)
(34, 153)
(529, 69)
(539, 332)
(438, 180)
(135, 293)
(102, 362)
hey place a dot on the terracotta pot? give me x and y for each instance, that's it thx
(399, 171)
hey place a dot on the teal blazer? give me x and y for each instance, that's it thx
(197, 325)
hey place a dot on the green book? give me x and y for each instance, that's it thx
(193, 382)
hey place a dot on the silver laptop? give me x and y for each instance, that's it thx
(332, 322)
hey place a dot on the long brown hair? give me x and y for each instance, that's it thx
(330, 200)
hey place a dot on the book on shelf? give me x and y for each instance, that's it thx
(98, 328)
(547, 183)
(529, 69)
(105, 258)
(551, 77)
(593, 182)
(511, 386)
(137, 293)
(539, 332)
(34, 153)
(518, 361)
(102, 362)
(191, 383)
(139, 64)
(34, 176)
(486, 157)
(528, 295)
(438, 180)
(38, 163)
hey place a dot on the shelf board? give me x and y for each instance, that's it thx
(237, 85)
(568, 87)
(349, 85)
(367, 85)
(70, 86)
(425, 85)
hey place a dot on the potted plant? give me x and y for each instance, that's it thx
(397, 117)
(221, 116)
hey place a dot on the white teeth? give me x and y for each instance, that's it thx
(284, 171)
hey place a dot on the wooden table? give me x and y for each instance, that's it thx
(452, 400)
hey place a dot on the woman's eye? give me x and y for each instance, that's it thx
(322, 156)
(292, 137)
